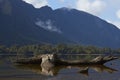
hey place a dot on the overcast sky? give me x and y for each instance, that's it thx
(108, 10)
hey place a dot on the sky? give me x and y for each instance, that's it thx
(108, 10)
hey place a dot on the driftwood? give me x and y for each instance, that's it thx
(53, 60)
(29, 61)
(50, 64)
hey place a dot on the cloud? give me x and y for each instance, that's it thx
(116, 22)
(48, 25)
(37, 3)
(62, 1)
(96, 7)
(118, 14)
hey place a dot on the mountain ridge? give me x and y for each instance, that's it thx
(24, 24)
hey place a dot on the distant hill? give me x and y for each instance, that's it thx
(21, 23)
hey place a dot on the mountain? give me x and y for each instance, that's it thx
(17, 25)
(21, 23)
(87, 29)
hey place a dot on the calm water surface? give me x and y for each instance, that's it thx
(12, 71)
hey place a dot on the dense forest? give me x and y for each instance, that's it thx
(59, 49)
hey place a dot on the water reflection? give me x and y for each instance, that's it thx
(83, 69)
(97, 68)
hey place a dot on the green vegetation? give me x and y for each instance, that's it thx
(59, 49)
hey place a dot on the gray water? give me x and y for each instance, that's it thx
(12, 71)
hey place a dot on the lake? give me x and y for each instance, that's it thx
(12, 71)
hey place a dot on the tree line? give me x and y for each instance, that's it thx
(59, 49)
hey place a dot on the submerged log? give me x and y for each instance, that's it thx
(53, 60)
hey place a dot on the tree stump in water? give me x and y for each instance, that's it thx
(47, 61)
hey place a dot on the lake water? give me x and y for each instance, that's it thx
(12, 71)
